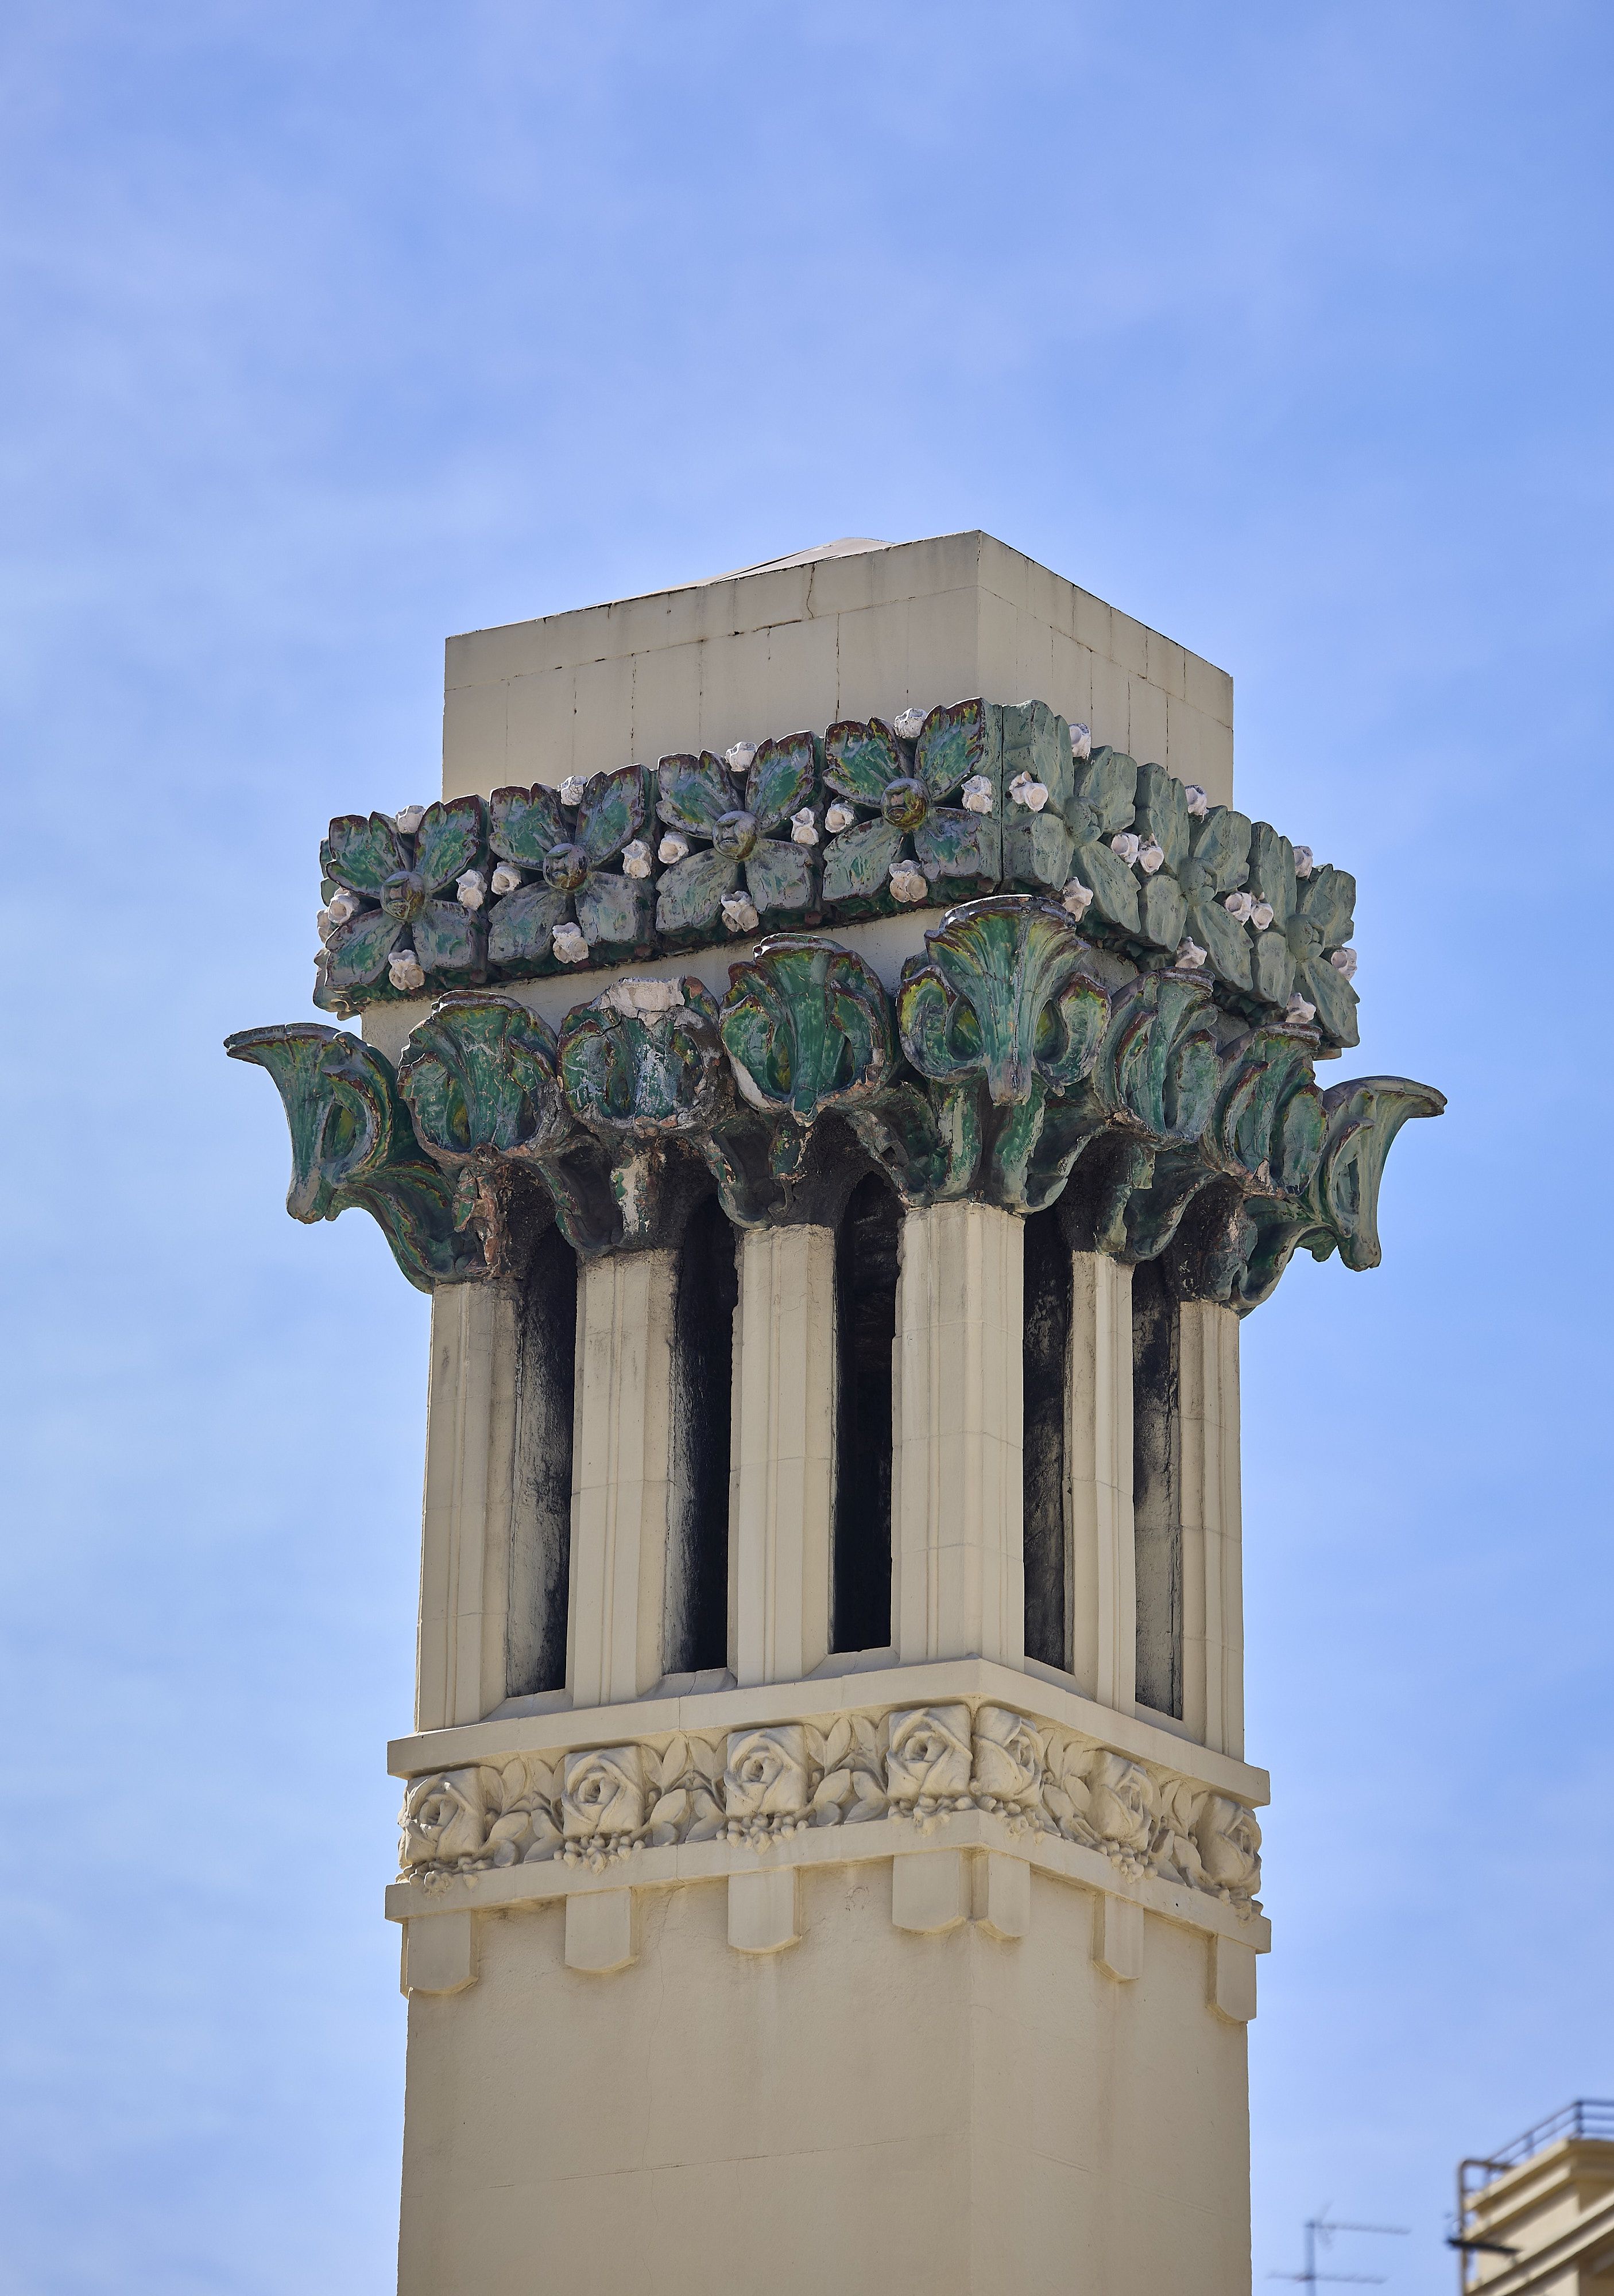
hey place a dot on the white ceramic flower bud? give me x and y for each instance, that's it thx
(1126, 847)
(324, 923)
(1198, 804)
(507, 877)
(1344, 960)
(978, 794)
(1078, 897)
(1023, 789)
(1260, 915)
(572, 789)
(803, 828)
(1081, 741)
(342, 906)
(571, 946)
(404, 970)
(740, 914)
(641, 1000)
(839, 817)
(1304, 863)
(907, 882)
(672, 847)
(1298, 1013)
(1191, 956)
(1239, 906)
(407, 819)
(636, 858)
(909, 724)
(738, 758)
(471, 888)
(1151, 855)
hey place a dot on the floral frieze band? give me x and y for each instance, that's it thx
(758, 1786)
(1019, 1063)
(867, 820)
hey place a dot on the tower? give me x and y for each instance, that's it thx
(841, 1127)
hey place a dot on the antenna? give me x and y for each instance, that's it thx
(1323, 2227)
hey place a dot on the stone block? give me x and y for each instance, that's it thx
(1232, 1980)
(764, 1909)
(930, 1890)
(440, 1953)
(1118, 1938)
(1002, 1895)
(601, 1930)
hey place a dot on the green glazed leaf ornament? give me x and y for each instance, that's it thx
(479, 1078)
(578, 874)
(402, 909)
(895, 841)
(807, 1027)
(742, 853)
(352, 1146)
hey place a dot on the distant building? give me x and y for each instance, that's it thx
(1538, 2220)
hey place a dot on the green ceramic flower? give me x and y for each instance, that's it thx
(730, 872)
(589, 899)
(894, 839)
(387, 925)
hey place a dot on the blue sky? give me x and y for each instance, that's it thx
(331, 330)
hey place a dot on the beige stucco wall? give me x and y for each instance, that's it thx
(880, 628)
(873, 2110)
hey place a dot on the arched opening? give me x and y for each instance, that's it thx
(1157, 1489)
(1046, 1385)
(697, 1502)
(541, 1516)
(867, 1256)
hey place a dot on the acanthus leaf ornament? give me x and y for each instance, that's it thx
(479, 1078)
(352, 1146)
(1005, 1013)
(807, 1028)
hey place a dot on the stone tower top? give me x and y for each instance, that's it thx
(855, 628)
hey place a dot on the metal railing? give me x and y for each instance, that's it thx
(1588, 2116)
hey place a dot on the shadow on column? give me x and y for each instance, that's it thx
(697, 1510)
(867, 1253)
(1046, 1385)
(540, 1531)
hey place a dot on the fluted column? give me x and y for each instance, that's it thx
(958, 1577)
(1212, 1558)
(620, 1476)
(783, 1455)
(1101, 1589)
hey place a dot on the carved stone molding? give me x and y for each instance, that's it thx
(1019, 1064)
(758, 1786)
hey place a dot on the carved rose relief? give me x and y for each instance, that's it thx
(443, 1820)
(1228, 1841)
(604, 1792)
(930, 1758)
(1007, 1759)
(767, 1776)
(760, 1784)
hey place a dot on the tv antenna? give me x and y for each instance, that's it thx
(1322, 2227)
